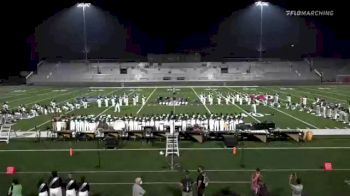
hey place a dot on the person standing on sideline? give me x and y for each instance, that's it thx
(15, 188)
(43, 189)
(201, 181)
(297, 187)
(186, 185)
(71, 186)
(84, 187)
(55, 184)
(137, 189)
(256, 181)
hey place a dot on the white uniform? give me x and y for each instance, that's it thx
(227, 99)
(143, 100)
(254, 108)
(249, 100)
(106, 102)
(219, 100)
(99, 102)
(134, 101)
(324, 109)
(126, 101)
(216, 125)
(276, 99)
(222, 124)
(117, 107)
(5, 107)
(210, 98)
(55, 191)
(43, 194)
(71, 192)
(318, 110)
(83, 193)
(289, 100)
(304, 101)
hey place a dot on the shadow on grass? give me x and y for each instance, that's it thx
(226, 192)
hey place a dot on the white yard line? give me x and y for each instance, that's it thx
(146, 100)
(28, 97)
(200, 100)
(64, 113)
(257, 120)
(179, 86)
(191, 170)
(104, 111)
(279, 91)
(174, 183)
(298, 119)
(38, 101)
(326, 91)
(342, 100)
(186, 149)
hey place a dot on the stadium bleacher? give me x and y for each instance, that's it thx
(80, 72)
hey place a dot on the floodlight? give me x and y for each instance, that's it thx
(261, 3)
(83, 5)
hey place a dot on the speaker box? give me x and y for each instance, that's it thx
(230, 140)
(111, 143)
(123, 71)
(264, 125)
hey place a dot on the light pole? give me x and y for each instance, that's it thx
(84, 5)
(261, 4)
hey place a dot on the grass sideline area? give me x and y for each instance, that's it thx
(29, 95)
(119, 167)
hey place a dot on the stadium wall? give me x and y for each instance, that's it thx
(180, 83)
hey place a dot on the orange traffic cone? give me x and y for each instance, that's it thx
(71, 152)
(234, 150)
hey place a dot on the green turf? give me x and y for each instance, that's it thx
(289, 160)
(297, 158)
(283, 118)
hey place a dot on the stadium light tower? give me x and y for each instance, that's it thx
(84, 5)
(261, 4)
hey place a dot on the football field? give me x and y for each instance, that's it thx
(283, 117)
(111, 172)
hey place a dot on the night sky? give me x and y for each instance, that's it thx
(162, 27)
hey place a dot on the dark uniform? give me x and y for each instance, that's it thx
(71, 187)
(84, 188)
(55, 186)
(43, 189)
(187, 184)
(200, 185)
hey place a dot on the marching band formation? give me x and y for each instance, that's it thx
(172, 101)
(164, 122)
(319, 107)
